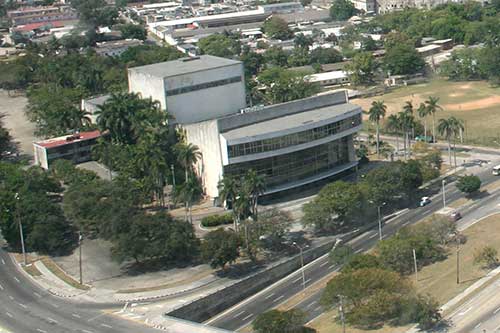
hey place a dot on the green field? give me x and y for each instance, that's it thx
(476, 102)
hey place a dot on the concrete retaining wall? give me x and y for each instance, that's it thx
(205, 308)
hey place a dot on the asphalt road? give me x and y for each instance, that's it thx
(245, 312)
(25, 308)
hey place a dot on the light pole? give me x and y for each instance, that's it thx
(173, 175)
(80, 238)
(16, 196)
(380, 221)
(341, 310)
(444, 193)
(302, 266)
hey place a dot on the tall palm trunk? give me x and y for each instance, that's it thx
(433, 127)
(449, 150)
(425, 129)
(377, 127)
(455, 151)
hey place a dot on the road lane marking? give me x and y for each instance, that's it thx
(85, 331)
(297, 279)
(311, 304)
(307, 281)
(247, 317)
(464, 312)
(239, 314)
(3, 261)
(23, 306)
(317, 309)
(9, 315)
(278, 298)
(1, 287)
(269, 296)
(331, 267)
(52, 320)
(495, 312)
(76, 315)
(323, 264)
(17, 280)
(477, 326)
(37, 294)
(406, 223)
(372, 236)
(54, 305)
(358, 251)
(41, 331)
(11, 298)
(106, 325)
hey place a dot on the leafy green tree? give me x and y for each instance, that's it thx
(362, 68)
(252, 62)
(462, 65)
(276, 56)
(370, 295)
(469, 184)
(187, 156)
(403, 59)
(271, 228)
(220, 247)
(361, 261)
(255, 185)
(341, 255)
(324, 56)
(335, 207)
(342, 10)
(489, 62)
(95, 12)
(220, 45)
(449, 128)
(66, 172)
(486, 257)
(133, 31)
(276, 321)
(6, 143)
(190, 192)
(284, 86)
(302, 41)
(277, 28)
(156, 237)
(368, 44)
(148, 54)
(375, 114)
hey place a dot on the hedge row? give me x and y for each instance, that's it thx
(216, 220)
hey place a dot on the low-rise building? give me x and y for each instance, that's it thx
(329, 78)
(192, 89)
(291, 144)
(115, 48)
(74, 147)
(27, 15)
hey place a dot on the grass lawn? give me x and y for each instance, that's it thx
(439, 279)
(476, 102)
(326, 324)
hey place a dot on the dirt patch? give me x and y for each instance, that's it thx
(465, 86)
(456, 94)
(484, 103)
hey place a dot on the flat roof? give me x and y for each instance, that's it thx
(289, 122)
(184, 66)
(67, 139)
(326, 76)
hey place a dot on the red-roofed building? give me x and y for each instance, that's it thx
(75, 147)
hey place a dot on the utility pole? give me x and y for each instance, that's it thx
(458, 261)
(341, 310)
(380, 220)
(16, 196)
(416, 267)
(444, 193)
(173, 175)
(80, 238)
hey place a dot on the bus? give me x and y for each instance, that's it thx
(496, 170)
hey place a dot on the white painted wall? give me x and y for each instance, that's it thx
(147, 86)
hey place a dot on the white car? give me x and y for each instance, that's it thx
(424, 201)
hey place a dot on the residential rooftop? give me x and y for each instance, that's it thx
(184, 66)
(67, 139)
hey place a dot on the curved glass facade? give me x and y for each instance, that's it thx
(284, 141)
(298, 165)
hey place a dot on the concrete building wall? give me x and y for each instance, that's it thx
(209, 103)
(206, 136)
(41, 157)
(147, 86)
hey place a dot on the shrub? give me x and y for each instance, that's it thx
(487, 257)
(216, 220)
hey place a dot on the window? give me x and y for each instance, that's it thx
(294, 139)
(202, 86)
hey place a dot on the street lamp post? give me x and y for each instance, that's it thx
(302, 266)
(444, 193)
(173, 175)
(16, 196)
(80, 238)
(380, 221)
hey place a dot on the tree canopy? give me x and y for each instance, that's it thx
(342, 10)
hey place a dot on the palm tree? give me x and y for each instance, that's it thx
(255, 185)
(407, 122)
(408, 109)
(447, 127)
(187, 156)
(423, 112)
(189, 192)
(115, 115)
(376, 113)
(458, 127)
(393, 125)
(228, 190)
(433, 107)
